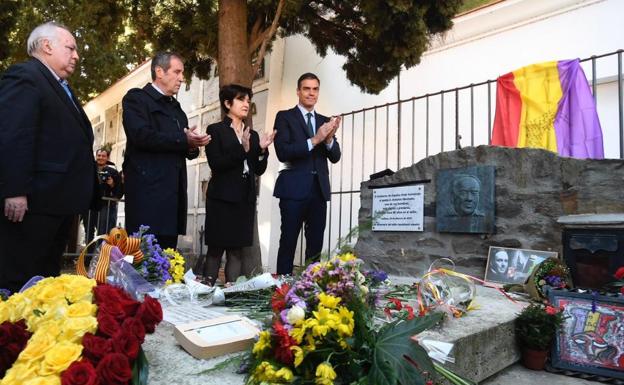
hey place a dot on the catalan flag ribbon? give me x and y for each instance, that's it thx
(548, 105)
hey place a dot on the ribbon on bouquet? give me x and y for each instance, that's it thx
(115, 242)
(435, 293)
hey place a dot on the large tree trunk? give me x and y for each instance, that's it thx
(234, 64)
(234, 61)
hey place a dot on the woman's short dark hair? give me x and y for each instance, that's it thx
(230, 92)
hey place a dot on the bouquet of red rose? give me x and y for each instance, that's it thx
(77, 333)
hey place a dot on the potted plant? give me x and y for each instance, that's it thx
(535, 328)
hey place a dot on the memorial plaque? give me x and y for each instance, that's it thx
(465, 200)
(398, 208)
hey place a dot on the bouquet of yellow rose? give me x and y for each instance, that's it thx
(72, 331)
(324, 324)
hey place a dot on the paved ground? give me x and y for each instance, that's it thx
(519, 375)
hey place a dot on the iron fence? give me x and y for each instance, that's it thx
(398, 134)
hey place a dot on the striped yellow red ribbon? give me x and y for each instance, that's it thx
(116, 238)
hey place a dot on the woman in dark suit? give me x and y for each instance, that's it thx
(236, 154)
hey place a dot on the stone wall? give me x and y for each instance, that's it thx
(533, 189)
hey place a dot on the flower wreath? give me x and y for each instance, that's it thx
(68, 330)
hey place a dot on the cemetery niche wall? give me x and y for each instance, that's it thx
(533, 188)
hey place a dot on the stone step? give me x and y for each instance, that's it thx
(484, 339)
(519, 375)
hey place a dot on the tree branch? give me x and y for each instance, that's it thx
(268, 35)
(255, 37)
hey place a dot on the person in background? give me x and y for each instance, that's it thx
(158, 144)
(47, 170)
(111, 190)
(304, 142)
(236, 155)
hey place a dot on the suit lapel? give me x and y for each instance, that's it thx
(74, 110)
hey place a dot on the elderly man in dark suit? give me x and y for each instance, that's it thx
(158, 142)
(304, 142)
(47, 170)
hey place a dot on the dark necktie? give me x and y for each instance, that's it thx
(309, 123)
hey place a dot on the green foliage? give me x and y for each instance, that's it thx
(140, 369)
(536, 326)
(377, 38)
(390, 365)
(107, 47)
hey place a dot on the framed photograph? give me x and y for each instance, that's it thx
(508, 265)
(592, 337)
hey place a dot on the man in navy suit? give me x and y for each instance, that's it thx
(304, 141)
(47, 170)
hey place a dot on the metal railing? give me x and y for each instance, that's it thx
(398, 134)
(91, 224)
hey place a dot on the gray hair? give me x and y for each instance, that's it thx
(45, 31)
(163, 60)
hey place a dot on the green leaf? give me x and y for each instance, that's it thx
(140, 369)
(389, 365)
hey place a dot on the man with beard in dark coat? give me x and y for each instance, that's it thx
(158, 142)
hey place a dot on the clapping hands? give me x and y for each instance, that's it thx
(245, 138)
(327, 131)
(266, 140)
(196, 139)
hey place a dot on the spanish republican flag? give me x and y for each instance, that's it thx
(548, 105)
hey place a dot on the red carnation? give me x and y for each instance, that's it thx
(95, 348)
(278, 300)
(80, 373)
(283, 352)
(150, 313)
(107, 325)
(134, 326)
(114, 369)
(619, 274)
(127, 344)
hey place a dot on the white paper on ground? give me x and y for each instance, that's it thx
(438, 350)
(256, 283)
(183, 314)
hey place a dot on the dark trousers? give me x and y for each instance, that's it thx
(32, 247)
(235, 265)
(312, 211)
(167, 241)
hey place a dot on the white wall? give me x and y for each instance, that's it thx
(482, 45)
